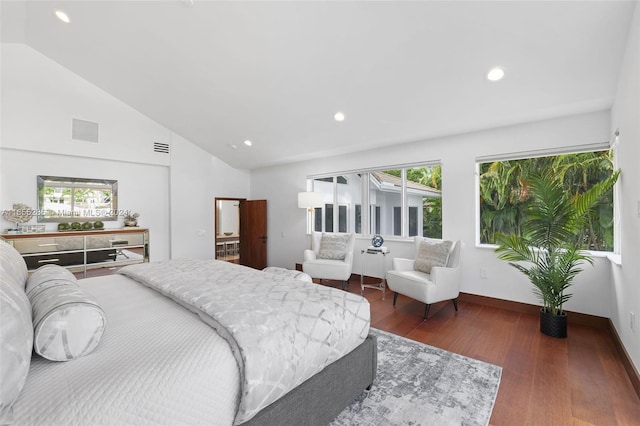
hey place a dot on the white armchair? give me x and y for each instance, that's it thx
(328, 264)
(442, 283)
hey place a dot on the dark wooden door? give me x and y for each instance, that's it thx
(253, 233)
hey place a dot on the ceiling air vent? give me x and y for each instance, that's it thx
(162, 148)
(82, 130)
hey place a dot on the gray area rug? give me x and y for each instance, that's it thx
(418, 384)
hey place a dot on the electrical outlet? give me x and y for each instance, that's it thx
(484, 274)
(632, 320)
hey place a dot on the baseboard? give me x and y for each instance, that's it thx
(633, 374)
(525, 308)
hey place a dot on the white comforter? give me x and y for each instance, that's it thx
(281, 330)
(157, 363)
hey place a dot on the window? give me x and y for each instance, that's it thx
(402, 202)
(342, 218)
(328, 217)
(504, 194)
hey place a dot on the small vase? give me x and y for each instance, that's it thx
(130, 223)
(553, 325)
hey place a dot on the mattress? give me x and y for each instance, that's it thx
(157, 363)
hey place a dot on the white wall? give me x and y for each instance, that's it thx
(197, 178)
(625, 117)
(174, 193)
(457, 154)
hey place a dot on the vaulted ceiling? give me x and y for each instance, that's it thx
(275, 73)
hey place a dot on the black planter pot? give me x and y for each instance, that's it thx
(553, 325)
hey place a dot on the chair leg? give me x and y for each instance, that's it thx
(344, 284)
(426, 311)
(395, 297)
(455, 303)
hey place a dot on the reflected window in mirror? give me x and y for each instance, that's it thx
(62, 199)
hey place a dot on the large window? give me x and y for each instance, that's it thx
(402, 202)
(504, 194)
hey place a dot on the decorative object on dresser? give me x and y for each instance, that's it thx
(131, 219)
(83, 250)
(20, 213)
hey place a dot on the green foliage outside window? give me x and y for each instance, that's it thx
(504, 194)
(431, 207)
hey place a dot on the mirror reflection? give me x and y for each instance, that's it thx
(64, 198)
(228, 229)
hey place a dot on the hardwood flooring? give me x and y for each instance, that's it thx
(579, 380)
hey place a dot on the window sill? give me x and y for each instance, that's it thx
(615, 259)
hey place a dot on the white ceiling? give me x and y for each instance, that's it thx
(218, 73)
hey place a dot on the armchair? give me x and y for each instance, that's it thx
(441, 283)
(330, 257)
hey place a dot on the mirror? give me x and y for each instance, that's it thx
(228, 229)
(62, 199)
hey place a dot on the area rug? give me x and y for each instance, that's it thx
(418, 384)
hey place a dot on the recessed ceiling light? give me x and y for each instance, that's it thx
(234, 146)
(495, 74)
(248, 143)
(63, 16)
(339, 116)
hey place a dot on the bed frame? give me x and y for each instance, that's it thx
(321, 398)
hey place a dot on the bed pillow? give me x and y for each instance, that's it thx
(67, 322)
(16, 342)
(47, 276)
(432, 254)
(333, 246)
(12, 265)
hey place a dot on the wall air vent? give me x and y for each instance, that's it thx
(84, 130)
(162, 148)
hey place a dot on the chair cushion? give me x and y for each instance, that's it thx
(432, 254)
(327, 269)
(333, 246)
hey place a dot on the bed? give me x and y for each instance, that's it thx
(167, 355)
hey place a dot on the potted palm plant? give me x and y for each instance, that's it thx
(549, 251)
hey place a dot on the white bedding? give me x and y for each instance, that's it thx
(120, 382)
(282, 330)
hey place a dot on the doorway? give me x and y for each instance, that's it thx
(241, 231)
(228, 229)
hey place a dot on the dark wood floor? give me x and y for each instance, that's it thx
(579, 380)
